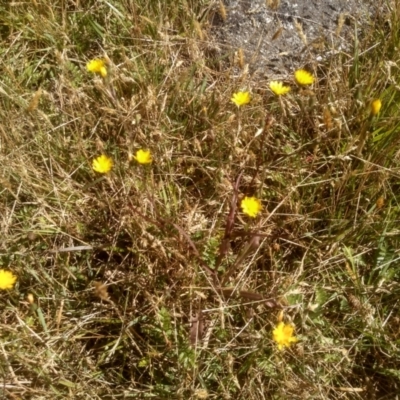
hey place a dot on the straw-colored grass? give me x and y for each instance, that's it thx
(150, 281)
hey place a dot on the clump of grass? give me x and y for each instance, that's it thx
(150, 280)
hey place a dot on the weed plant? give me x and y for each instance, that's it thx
(150, 281)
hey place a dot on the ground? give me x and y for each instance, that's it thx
(279, 36)
(160, 240)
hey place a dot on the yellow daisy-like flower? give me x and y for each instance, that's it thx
(303, 77)
(251, 206)
(97, 66)
(7, 279)
(376, 107)
(102, 164)
(278, 88)
(143, 156)
(283, 335)
(241, 98)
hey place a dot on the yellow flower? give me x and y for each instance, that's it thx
(241, 98)
(143, 157)
(102, 164)
(303, 77)
(376, 106)
(251, 206)
(283, 335)
(278, 88)
(7, 279)
(97, 66)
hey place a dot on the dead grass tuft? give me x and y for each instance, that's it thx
(149, 281)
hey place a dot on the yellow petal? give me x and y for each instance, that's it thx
(143, 156)
(251, 206)
(241, 98)
(376, 106)
(303, 77)
(102, 164)
(7, 279)
(97, 66)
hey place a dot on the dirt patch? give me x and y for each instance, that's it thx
(279, 38)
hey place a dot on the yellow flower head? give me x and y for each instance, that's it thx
(7, 279)
(251, 206)
(143, 156)
(102, 164)
(303, 77)
(283, 335)
(278, 88)
(376, 107)
(97, 66)
(241, 98)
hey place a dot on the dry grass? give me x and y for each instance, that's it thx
(120, 317)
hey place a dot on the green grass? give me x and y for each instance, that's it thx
(327, 251)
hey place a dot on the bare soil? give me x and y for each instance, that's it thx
(278, 40)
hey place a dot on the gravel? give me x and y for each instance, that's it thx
(277, 40)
